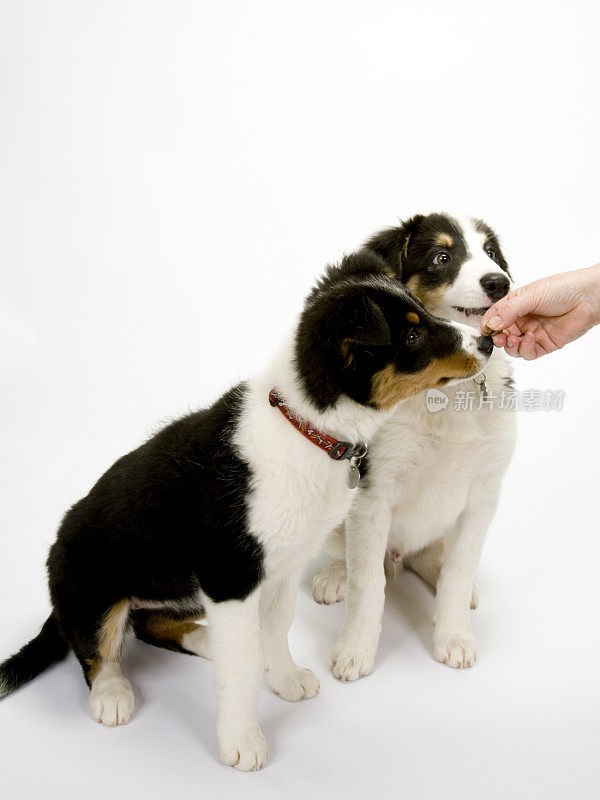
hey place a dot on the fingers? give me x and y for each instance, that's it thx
(507, 311)
(512, 346)
(524, 346)
(498, 317)
(500, 339)
(516, 329)
(527, 347)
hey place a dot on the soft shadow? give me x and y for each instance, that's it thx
(408, 611)
(410, 600)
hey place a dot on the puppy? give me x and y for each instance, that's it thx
(218, 513)
(434, 478)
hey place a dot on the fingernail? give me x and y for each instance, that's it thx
(495, 322)
(512, 341)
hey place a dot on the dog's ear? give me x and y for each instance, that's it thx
(392, 244)
(368, 329)
(342, 331)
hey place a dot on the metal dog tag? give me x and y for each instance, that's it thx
(482, 385)
(355, 461)
(353, 476)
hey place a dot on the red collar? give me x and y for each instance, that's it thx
(339, 451)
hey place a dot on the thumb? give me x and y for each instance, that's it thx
(505, 312)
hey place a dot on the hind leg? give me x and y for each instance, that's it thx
(427, 564)
(329, 585)
(173, 632)
(111, 694)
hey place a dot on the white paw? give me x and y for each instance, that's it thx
(296, 684)
(244, 750)
(350, 661)
(475, 596)
(455, 652)
(329, 586)
(197, 642)
(111, 700)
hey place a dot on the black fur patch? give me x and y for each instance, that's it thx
(411, 248)
(170, 518)
(351, 330)
(37, 655)
(163, 521)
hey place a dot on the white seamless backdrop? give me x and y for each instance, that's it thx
(174, 177)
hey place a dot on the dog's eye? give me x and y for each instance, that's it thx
(491, 253)
(412, 337)
(441, 259)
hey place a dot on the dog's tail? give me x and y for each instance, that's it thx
(33, 658)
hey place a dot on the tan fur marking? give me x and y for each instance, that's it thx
(110, 637)
(431, 298)
(444, 240)
(93, 668)
(389, 386)
(412, 317)
(161, 626)
(346, 348)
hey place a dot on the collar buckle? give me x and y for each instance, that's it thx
(347, 451)
(341, 451)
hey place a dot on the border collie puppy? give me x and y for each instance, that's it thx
(434, 478)
(218, 513)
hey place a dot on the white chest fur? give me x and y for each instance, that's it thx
(428, 464)
(298, 494)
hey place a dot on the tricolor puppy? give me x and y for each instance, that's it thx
(217, 514)
(433, 479)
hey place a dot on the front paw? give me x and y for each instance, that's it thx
(296, 684)
(352, 660)
(455, 651)
(245, 750)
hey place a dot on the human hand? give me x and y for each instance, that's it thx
(545, 315)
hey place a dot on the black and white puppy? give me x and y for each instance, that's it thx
(434, 478)
(218, 513)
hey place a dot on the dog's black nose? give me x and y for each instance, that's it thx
(495, 285)
(485, 345)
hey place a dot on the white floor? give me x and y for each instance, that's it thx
(522, 723)
(174, 176)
